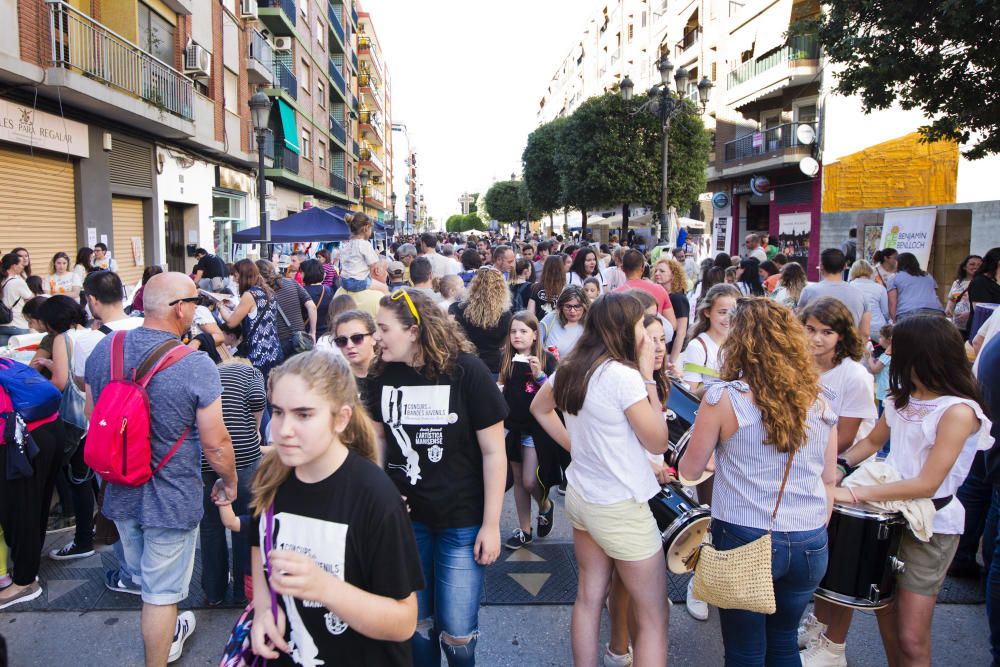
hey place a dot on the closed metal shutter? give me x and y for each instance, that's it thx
(130, 164)
(37, 206)
(126, 214)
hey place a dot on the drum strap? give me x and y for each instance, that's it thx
(941, 502)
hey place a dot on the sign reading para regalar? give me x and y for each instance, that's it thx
(22, 124)
(910, 230)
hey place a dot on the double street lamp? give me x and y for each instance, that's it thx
(260, 111)
(363, 179)
(392, 200)
(666, 103)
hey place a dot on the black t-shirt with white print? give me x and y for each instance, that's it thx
(355, 525)
(432, 453)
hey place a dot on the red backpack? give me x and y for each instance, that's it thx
(119, 446)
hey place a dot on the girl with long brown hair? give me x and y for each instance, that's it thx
(338, 527)
(525, 366)
(701, 360)
(256, 314)
(760, 420)
(484, 315)
(544, 293)
(439, 419)
(607, 394)
(790, 285)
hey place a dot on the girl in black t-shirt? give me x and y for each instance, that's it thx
(342, 567)
(524, 367)
(439, 416)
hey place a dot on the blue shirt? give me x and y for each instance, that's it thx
(882, 377)
(173, 497)
(989, 382)
(914, 293)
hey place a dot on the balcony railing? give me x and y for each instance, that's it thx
(285, 80)
(333, 13)
(338, 183)
(800, 47)
(261, 51)
(287, 160)
(338, 130)
(368, 155)
(369, 117)
(690, 38)
(82, 44)
(287, 7)
(764, 142)
(337, 75)
(374, 195)
(355, 149)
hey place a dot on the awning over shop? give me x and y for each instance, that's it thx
(312, 224)
(288, 128)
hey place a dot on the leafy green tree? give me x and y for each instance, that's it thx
(507, 202)
(454, 223)
(471, 223)
(940, 57)
(540, 162)
(474, 198)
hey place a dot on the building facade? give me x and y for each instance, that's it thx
(375, 120)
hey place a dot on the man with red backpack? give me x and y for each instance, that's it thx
(163, 408)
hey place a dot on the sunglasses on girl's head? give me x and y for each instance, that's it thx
(341, 341)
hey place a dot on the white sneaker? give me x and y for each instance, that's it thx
(824, 653)
(615, 660)
(182, 631)
(697, 608)
(810, 630)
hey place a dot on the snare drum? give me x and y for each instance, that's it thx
(682, 523)
(682, 406)
(863, 544)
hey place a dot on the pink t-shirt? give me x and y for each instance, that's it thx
(658, 293)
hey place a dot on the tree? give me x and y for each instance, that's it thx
(940, 57)
(471, 223)
(507, 201)
(473, 198)
(540, 162)
(454, 223)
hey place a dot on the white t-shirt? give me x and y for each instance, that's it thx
(106, 263)
(853, 389)
(573, 279)
(914, 430)
(701, 353)
(355, 257)
(88, 340)
(202, 315)
(441, 266)
(61, 284)
(759, 254)
(609, 463)
(989, 329)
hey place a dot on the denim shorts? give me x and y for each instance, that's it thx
(526, 439)
(355, 285)
(161, 560)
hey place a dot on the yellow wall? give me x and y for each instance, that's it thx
(897, 173)
(123, 17)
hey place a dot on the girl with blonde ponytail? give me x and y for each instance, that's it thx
(336, 527)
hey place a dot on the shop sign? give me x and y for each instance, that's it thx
(720, 200)
(24, 125)
(234, 180)
(760, 185)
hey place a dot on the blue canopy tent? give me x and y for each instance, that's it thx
(312, 224)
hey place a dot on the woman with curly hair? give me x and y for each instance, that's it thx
(439, 422)
(484, 315)
(763, 421)
(543, 295)
(669, 274)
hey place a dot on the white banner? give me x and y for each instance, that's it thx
(22, 124)
(910, 230)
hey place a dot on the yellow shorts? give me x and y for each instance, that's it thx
(624, 530)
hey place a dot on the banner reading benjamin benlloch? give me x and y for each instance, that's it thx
(910, 230)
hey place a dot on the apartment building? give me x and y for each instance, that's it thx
(406, 181)
(375, 120)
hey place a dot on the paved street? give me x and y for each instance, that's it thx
(519, 636)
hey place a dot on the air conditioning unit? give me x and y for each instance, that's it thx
(282, 43)
(268, 189)
(197, 61)
(248, 9)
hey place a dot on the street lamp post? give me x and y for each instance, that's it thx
(260, 110)
(363, 178)
(626, 87)
(392, 199)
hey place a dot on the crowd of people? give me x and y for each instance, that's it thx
(354, 419)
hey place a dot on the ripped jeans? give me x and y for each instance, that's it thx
(449, 603)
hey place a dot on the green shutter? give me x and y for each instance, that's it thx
(288, 127)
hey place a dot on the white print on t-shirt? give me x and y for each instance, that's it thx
(426, 407)
(325, 542)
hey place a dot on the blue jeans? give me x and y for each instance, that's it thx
(975, 494)
(798, 563)
(354, 285)
(449, 602)
(991, 557)
(214, 551)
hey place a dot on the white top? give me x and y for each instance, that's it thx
(759, 254)
(62, 284)
(88, 340)
(80, 272)
(573, 279)
(914, 430)
(202, 315)
(701, 353)
(107, 263)
(988, 329)
(15, 294)
(355, 257)
(852, 394)
(441, 266)
(609, 463)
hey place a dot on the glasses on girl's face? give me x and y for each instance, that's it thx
(355, 339)
(572, 306)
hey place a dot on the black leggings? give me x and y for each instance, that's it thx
(24, 503)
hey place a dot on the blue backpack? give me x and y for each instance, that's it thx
(32, 395)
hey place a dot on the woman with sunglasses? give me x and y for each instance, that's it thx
(354, 337)
(439, 421)
(563, 327)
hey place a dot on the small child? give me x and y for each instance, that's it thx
(357, 256)
(880, 369)
(592, 286)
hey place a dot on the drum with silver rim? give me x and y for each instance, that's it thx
(682, 406)
(683, 524)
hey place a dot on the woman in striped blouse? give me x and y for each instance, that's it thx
(755, 419)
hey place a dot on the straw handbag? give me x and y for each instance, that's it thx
(739, 578)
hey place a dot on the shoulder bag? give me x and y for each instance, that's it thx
(739, 578)
(6, 312)
(300, 340)
(71, 407)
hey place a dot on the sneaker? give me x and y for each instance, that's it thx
(70, 552)
(545, 520)
(182, 632)
(562, 488)
(824, 653)
(5, 581)
(114, 581)
(615, 660)
(518, 539)
(26, 594)
(810, 630)
(697, 608)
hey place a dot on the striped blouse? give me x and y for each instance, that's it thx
(242, 395)
(748, 471)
